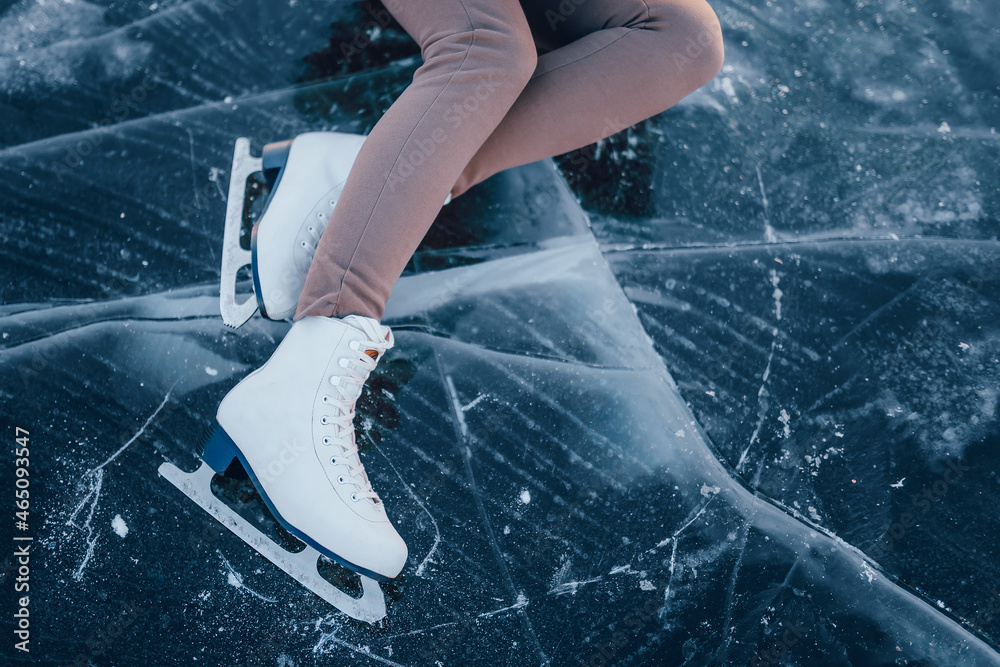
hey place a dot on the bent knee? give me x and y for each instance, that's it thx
(514, 50)
(692, 37)
(507, 49)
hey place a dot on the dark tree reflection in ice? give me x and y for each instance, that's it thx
(718, 389)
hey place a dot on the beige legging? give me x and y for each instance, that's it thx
(484, 101)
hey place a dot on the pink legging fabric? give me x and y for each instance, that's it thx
(484, 100)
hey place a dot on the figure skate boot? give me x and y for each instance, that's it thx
(290, 423)
(306, 176)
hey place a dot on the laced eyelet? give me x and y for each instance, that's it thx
(354, 345)
(324, 420)
(342, 362)
(341, 480)
(303, 244)
(326, 400)
(333, 461)
(327, 441)
(311, 229)
(320, 215)
(354, 497)
(333, 202)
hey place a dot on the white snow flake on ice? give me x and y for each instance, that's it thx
(118, 525)
(525, 496)
(709, 491)
(867, 571)
(776, 294)
(647, 585)
(944, 128)
(211, 371)
(784, 419)
(728, 89)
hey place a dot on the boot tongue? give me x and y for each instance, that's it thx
(373, 331)
(365, 325)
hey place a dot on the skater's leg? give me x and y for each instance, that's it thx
(614, 63)
(478, 55)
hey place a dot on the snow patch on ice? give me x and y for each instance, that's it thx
(45, 44)
(647, 585)
(709, 491)
(562, 574)
(784, 419)
(118, 525)
(776, 294)
(32, 24)
(211, 371)
(525, 496)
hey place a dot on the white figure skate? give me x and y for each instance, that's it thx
(290, 424)
(306, 176)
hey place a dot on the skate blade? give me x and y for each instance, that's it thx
(234, 257)
(301, 566)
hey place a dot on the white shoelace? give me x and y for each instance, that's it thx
(349, 386)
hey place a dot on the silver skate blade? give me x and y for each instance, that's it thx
(301, 566)
(234, 313)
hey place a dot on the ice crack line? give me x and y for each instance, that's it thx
(673, 553)
(332, 638)
(769, 234)
(459, 413)
(762, 404)
(236, 579)
(95, 478)
(416, 499)
(520, 604)
(363, 650)
(670, 580)
(474, 489)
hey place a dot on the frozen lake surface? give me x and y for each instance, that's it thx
(721, 389)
